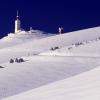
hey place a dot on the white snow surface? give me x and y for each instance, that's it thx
(39, 70)
(85, 86)
(90, 49)
(13, 39)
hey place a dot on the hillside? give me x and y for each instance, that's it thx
(44, 44)
(84, 49)
(13, 39)
(85, 86)
(37, 69)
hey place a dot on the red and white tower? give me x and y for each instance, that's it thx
(17, 24)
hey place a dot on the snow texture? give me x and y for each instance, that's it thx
(85, 86)
(71, 69)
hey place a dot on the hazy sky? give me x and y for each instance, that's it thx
(48, 15)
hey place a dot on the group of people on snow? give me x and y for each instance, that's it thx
(18, 60)
(54, 48)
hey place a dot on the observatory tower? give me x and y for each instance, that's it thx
(17, 24)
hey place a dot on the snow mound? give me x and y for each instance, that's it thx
(23, 36)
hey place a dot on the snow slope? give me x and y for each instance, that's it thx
(85, 86)
(13, 39)
(62, 39)
(41, 70)
(90, 49)
(44, 44)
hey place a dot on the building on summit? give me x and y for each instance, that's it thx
(17, 24)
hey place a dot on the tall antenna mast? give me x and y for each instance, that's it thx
(17, 14)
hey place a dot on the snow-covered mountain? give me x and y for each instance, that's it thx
(13, 39)
(75, 53)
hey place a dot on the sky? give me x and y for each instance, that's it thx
(48, 15)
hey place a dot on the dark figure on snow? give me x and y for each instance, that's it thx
(21, 60)
(1, 67)
(16, 60)
(11, 61)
